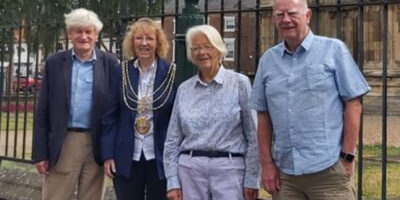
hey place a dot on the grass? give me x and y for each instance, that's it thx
(17, 165)
(372, 173)
(21, 120)
(16, 136)
(372, 180)
(371, 151)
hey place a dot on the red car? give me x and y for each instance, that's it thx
(25, 83)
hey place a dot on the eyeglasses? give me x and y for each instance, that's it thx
(206, 48)
(293, 14)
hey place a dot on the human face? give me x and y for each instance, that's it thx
(145, 44)
(83, 39)
(291, 19)
(204, 54)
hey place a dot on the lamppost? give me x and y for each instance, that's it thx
(190, 17)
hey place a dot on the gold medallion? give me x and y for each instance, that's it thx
(142, 125)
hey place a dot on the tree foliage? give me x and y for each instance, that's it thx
(42, 21)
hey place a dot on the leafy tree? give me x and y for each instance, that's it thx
(45, 18)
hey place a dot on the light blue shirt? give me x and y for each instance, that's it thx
(81, 92)
(304, 93)
(145, 143)
(213, 117)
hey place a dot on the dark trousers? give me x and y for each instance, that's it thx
(143, 184)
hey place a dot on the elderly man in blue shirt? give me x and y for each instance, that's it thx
(307, 93)
(67, 125)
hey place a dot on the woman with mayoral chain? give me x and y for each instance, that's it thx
(136, 123)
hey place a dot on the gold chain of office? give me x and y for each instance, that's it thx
(142, 104)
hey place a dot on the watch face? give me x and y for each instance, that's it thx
(349, 157)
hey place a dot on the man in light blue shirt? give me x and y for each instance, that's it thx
(67, 126)
(307, 93)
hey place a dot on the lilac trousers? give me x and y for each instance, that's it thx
(204, 178)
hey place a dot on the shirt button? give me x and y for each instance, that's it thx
(290, 110)
(291, 74)
(290, 92)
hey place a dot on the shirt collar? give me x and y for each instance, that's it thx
(218, 78)
(93, 58)
(136, 65)
(306, 44)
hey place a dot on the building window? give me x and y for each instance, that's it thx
(59, 47)
(230, 46)
(229, 23)
(173, 26)
(173, 50)
(117, 48)
(158, 22)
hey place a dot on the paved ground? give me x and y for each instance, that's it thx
(372, 129)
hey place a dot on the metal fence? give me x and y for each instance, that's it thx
(248, 31)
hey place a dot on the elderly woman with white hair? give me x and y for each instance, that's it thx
(211, 147)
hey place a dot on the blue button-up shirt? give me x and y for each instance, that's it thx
(304, 93)
(81, 91)
(213, 117)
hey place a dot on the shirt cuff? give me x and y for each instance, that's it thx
(251, 181)
(173, 183)
(257, 107)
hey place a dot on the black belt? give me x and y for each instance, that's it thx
(81, 130)
(212, 154)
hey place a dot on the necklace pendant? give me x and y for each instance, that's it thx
(142, 125)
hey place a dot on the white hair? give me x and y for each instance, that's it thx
(304, 2)
(211, 34)
(82, 17)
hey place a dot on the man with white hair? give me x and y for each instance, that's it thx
(67, 124)
(307, 93)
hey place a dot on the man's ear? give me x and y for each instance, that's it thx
(308, 15)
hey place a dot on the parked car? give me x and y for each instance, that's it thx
(27, 83)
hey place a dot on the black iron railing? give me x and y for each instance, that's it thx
(22, 58)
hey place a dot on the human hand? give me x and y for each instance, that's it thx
(270, 179)
(109, 168)
(348, 167)
(250, 193)
(174, 194)
(43, 167)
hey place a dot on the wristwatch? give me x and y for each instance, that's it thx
(348, 157)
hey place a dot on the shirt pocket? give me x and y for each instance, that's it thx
(85, 85)
(314, 75)
(273, 86)
(88, 78)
